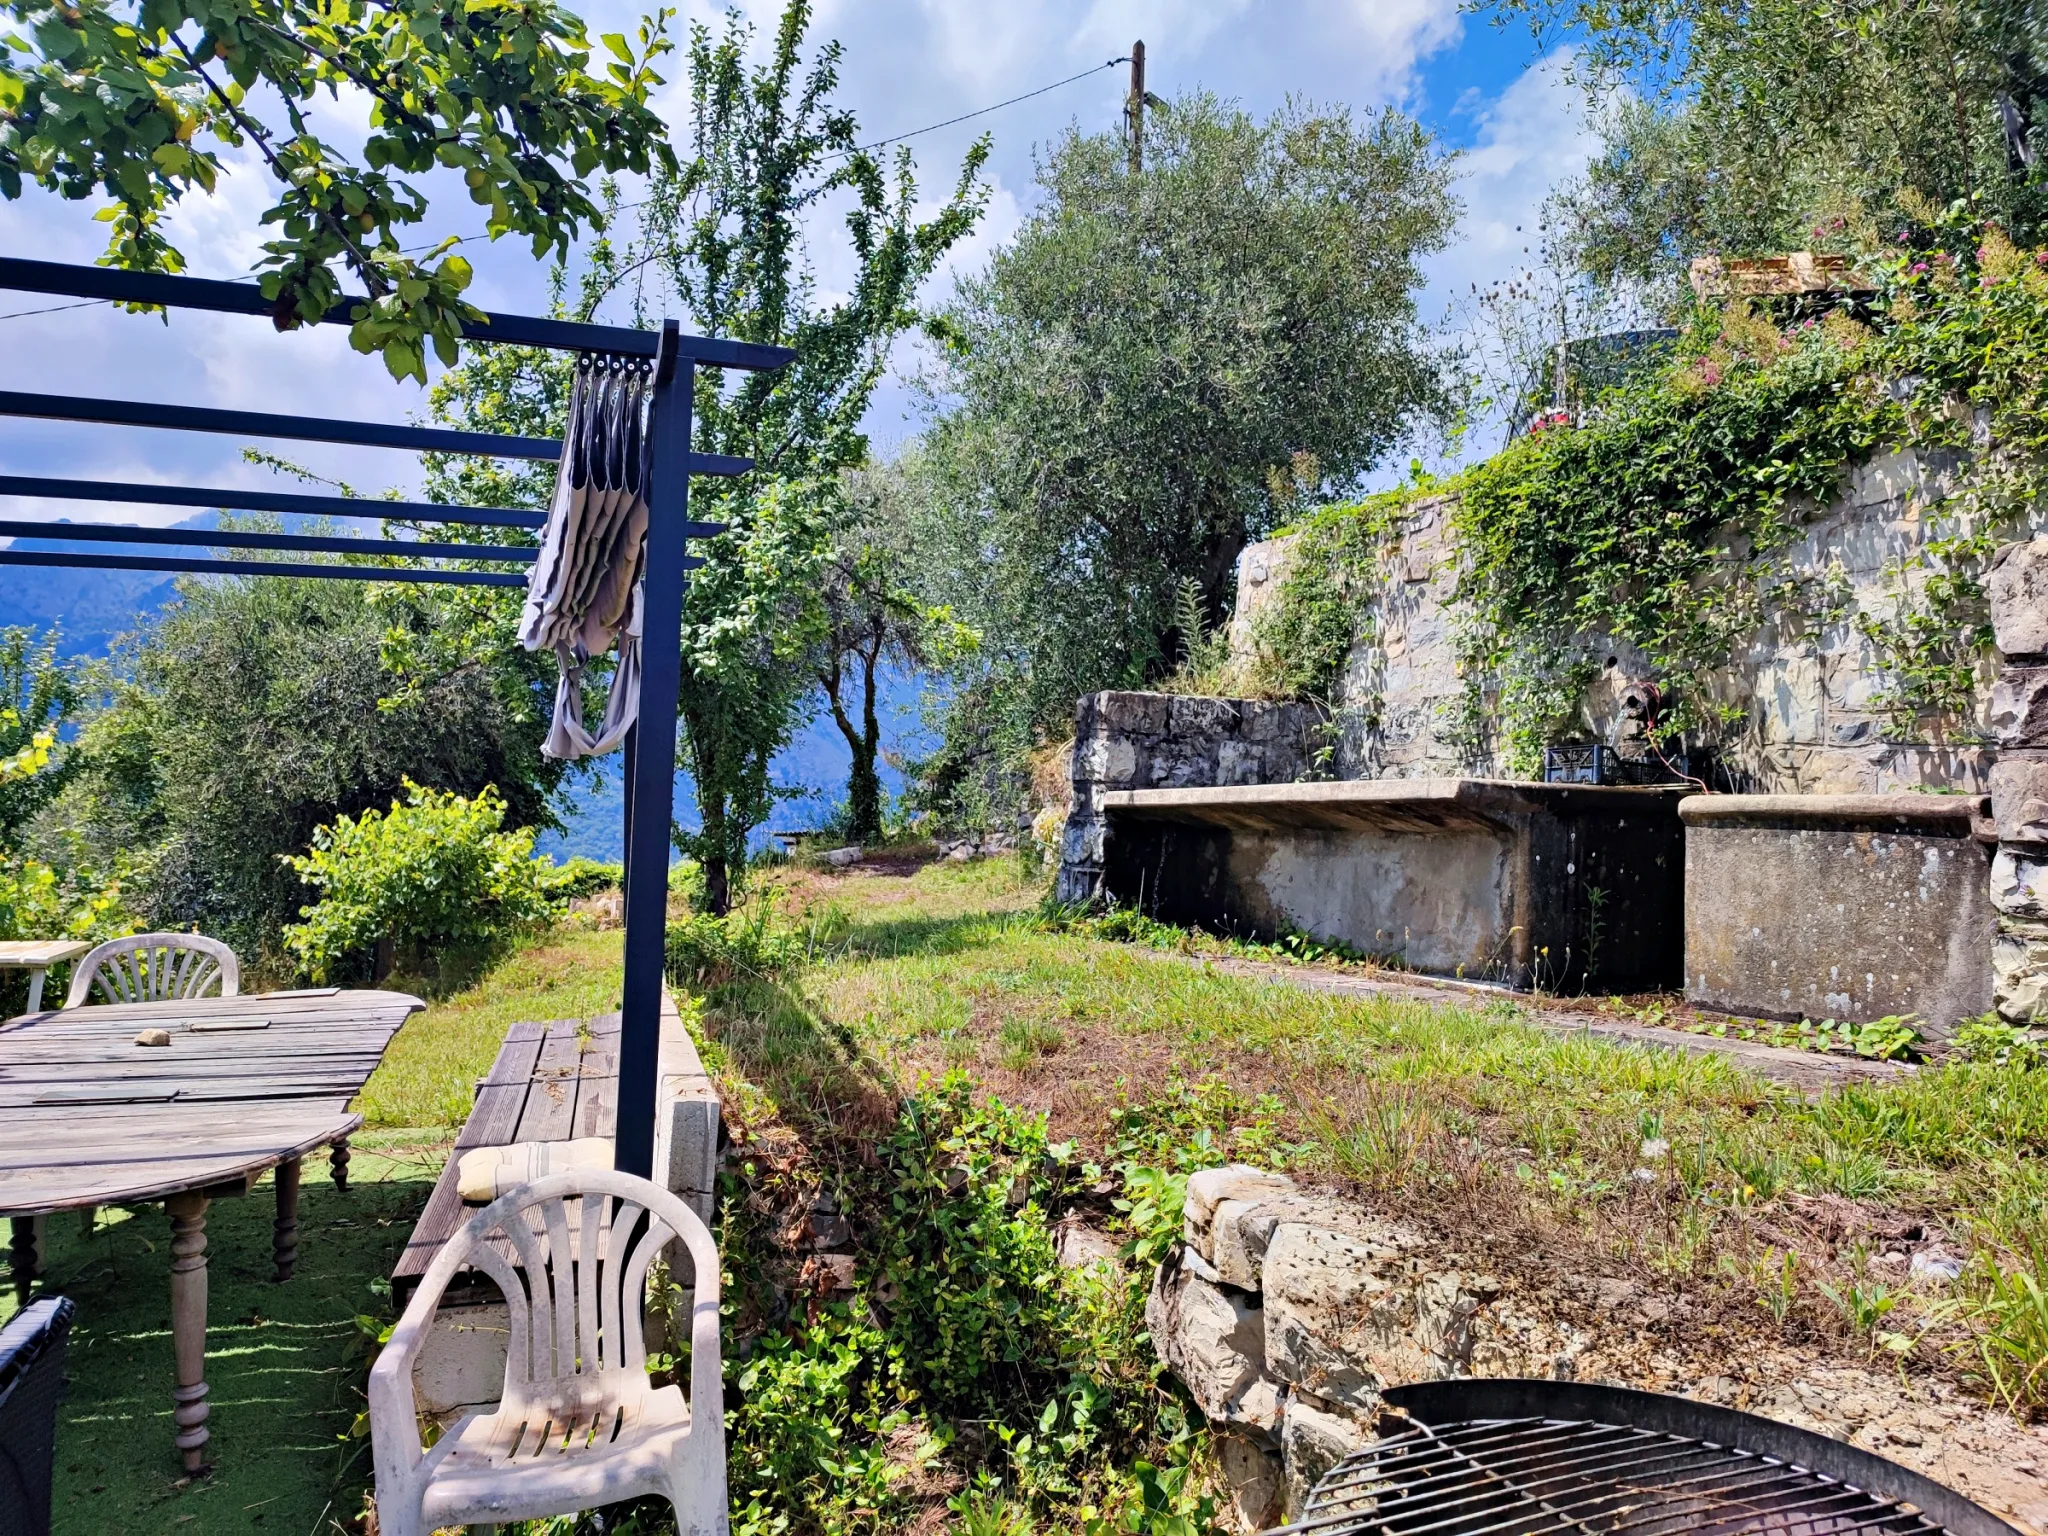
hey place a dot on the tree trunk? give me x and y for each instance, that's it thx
(864, 743)
(717, 877)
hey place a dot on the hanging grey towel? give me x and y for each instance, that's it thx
(583, 596)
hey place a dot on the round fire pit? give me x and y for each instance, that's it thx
(1544, 1458)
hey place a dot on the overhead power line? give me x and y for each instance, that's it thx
(984, 111)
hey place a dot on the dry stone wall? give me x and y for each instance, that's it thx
(1808, 683)
(2018, 589)
(1163, 741)
(1286, 1314)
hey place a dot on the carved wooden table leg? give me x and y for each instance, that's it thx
(338, 1163)
(188, 1323)
(25, 1253)
(284, 1239)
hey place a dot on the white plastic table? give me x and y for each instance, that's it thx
(36, 956)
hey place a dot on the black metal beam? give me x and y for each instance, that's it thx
(650, 786)
(311, 429)
(234, 538)
(319, 506)
(117, 286)
(264, 501)
(93, 560)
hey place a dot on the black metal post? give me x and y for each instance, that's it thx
(650, 783)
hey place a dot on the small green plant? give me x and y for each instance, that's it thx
(1778, 1285)
(1988, 1038)
(436, 881)
(1863, 1305)
(706, 952)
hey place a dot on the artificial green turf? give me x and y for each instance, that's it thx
(286, 1363)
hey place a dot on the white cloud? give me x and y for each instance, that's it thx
(1533, 138)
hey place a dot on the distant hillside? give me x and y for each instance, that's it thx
(88, 609)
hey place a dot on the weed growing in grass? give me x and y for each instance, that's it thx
(1989, 1038)
(1863, 1305)
(1386, 1144)
(2004, 1306)
(1025, 1040)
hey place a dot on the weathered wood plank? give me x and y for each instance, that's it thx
(500, 1101)
(551, 1105)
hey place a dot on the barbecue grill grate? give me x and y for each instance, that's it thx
(1610, 1462)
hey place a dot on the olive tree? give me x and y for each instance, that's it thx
(1122, 390)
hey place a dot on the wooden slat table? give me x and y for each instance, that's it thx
(551, 1082)
(90, 1117)
(36, 956)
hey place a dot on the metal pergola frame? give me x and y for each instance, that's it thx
(650, 756)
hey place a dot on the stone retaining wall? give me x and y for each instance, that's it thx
(1163, 741)
(1286, 1314)
(2018, 589)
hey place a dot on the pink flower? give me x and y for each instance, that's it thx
(1710, 373)
(1916, 269)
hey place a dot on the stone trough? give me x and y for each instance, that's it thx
(1556, 886)
(1850, 907)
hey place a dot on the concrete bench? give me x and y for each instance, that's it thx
(1558, 886)
(1850, 907)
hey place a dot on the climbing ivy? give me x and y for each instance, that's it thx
(1325, 603)
(1662, 516)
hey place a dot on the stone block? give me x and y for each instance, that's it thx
(1254, 1481)
(1339, 1312)
(1199, 719)
(1081, 841)
(1241, 1232)
(1213, 1339)
(2019, 883)
(2017, 587)
(2019, 799)
(461, 1366)
(1314, 1438)
(1107, 760)
(2019, 707)
(1209, 1188)
(1122, 713)
(2019, 971)
(1239, 762)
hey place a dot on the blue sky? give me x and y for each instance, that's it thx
(1483, 90)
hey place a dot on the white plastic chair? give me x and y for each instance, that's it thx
(579, 1424)
(156, 967)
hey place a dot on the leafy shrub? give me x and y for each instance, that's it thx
(967, 1255)
(436, 877)
(583, 877)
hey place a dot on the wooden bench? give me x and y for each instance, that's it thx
(553, 1081)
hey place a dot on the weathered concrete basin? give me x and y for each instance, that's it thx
(1850, 907)
(1552, 885)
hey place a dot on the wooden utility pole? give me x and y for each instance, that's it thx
(1134, 110)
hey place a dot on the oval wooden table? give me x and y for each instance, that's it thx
(89, 1117)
